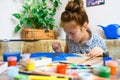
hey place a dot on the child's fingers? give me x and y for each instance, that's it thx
(97, 51)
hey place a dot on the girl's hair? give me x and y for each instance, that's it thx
(75, 11)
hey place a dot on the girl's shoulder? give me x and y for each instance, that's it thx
(96, 36)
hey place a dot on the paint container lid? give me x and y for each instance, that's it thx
(85, 76)
(12, 58)
(106, 59)
(104, 71)
(26, 56)
(72, 66)
(30, 60)
(96, 69)
(111, 63)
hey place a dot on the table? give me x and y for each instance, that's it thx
(4, 75)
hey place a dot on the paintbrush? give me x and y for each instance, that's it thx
(38, 72)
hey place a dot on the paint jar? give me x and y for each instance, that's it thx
(113, 67)
(61, 68)
(118, 70)
(8, 54)
(96, 69)
(25, 56)
(106, 59)
(30, 64)
(13, 71)
(104, 71)
(12, 61)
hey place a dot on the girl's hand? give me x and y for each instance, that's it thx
(56, 47)
(97, 51)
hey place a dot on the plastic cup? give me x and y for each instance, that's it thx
(113, 67)
(13, 71)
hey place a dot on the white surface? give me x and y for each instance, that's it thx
(3, 67)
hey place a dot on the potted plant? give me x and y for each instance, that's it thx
(37, 15)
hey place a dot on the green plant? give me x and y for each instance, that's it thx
(37, 14)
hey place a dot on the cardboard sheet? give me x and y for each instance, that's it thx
(84, 60)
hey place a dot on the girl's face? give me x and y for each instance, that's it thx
(73, 31)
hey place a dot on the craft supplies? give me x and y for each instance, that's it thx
(13, 71)
(21, 77)
(118, 70)
(76, 71)
(39, 72)
(113, 67)
(106, 59)
(78, 68)
(33, 77)
(12, 61)
(85, 76)
(43, 61)
(96, 69)
(8, 54)
(104, 71)
(73, 66)
(30, 64)
(26, 56)
(47, 68)
(61, 68)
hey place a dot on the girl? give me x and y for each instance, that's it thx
(79, 39)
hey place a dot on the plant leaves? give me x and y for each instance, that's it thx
(24, 21)
(55, 4)
(34, 11)
(40, 13)
(43, 0)
(53, 12)
(37, 14)
(17, 28)
(26, 7)
(51, 0)
(16, 15)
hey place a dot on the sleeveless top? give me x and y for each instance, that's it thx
(94, 41)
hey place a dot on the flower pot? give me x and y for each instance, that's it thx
(37, 34)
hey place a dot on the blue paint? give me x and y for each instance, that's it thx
(54, 56)
(106, 59)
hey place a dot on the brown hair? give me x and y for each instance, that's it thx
(74, 11)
